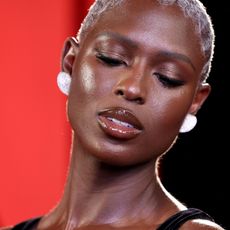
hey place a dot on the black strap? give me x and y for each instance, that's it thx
(175, 221)
(172, 223)
(27, 225)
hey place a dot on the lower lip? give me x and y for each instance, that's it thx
(117, 131)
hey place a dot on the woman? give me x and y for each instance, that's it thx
(135, 78)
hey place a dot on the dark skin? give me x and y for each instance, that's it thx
(146, 62)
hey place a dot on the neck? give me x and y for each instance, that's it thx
(97, 193)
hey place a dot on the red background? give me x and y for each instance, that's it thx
(34, 133)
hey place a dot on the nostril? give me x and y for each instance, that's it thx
(119, 92)
(130, 96)
(139, 100)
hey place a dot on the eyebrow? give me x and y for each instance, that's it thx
(177, 56)
(120, 38)
(162, 53)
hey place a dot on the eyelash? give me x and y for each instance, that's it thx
(113, 62)
(164, 80)
(168, 82)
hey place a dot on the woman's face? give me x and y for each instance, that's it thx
(134, 79)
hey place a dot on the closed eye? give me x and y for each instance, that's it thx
(168, 81)
(110, 61)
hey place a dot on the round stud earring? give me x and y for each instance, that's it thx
(189, 123)
(63, 82)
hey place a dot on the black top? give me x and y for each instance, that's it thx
(172, 223)
(175, 221)
(27, 225)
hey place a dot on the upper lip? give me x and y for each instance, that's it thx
(123, 115)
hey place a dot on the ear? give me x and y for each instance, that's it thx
(202, 94)
(69, 53)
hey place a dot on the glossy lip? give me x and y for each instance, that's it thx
(119, 123)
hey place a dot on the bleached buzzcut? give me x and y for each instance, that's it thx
(193, 9)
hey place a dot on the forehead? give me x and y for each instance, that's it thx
(147, 18)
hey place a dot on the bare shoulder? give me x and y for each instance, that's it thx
(201, 224)
(6, 228)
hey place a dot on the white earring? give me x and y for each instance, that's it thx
(63, 82)
(189, 123)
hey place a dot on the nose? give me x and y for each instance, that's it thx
(132, 87)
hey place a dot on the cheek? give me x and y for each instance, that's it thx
(169, 108)
(91, 82)
(177, 108)
(87, 79)
(81, 93)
